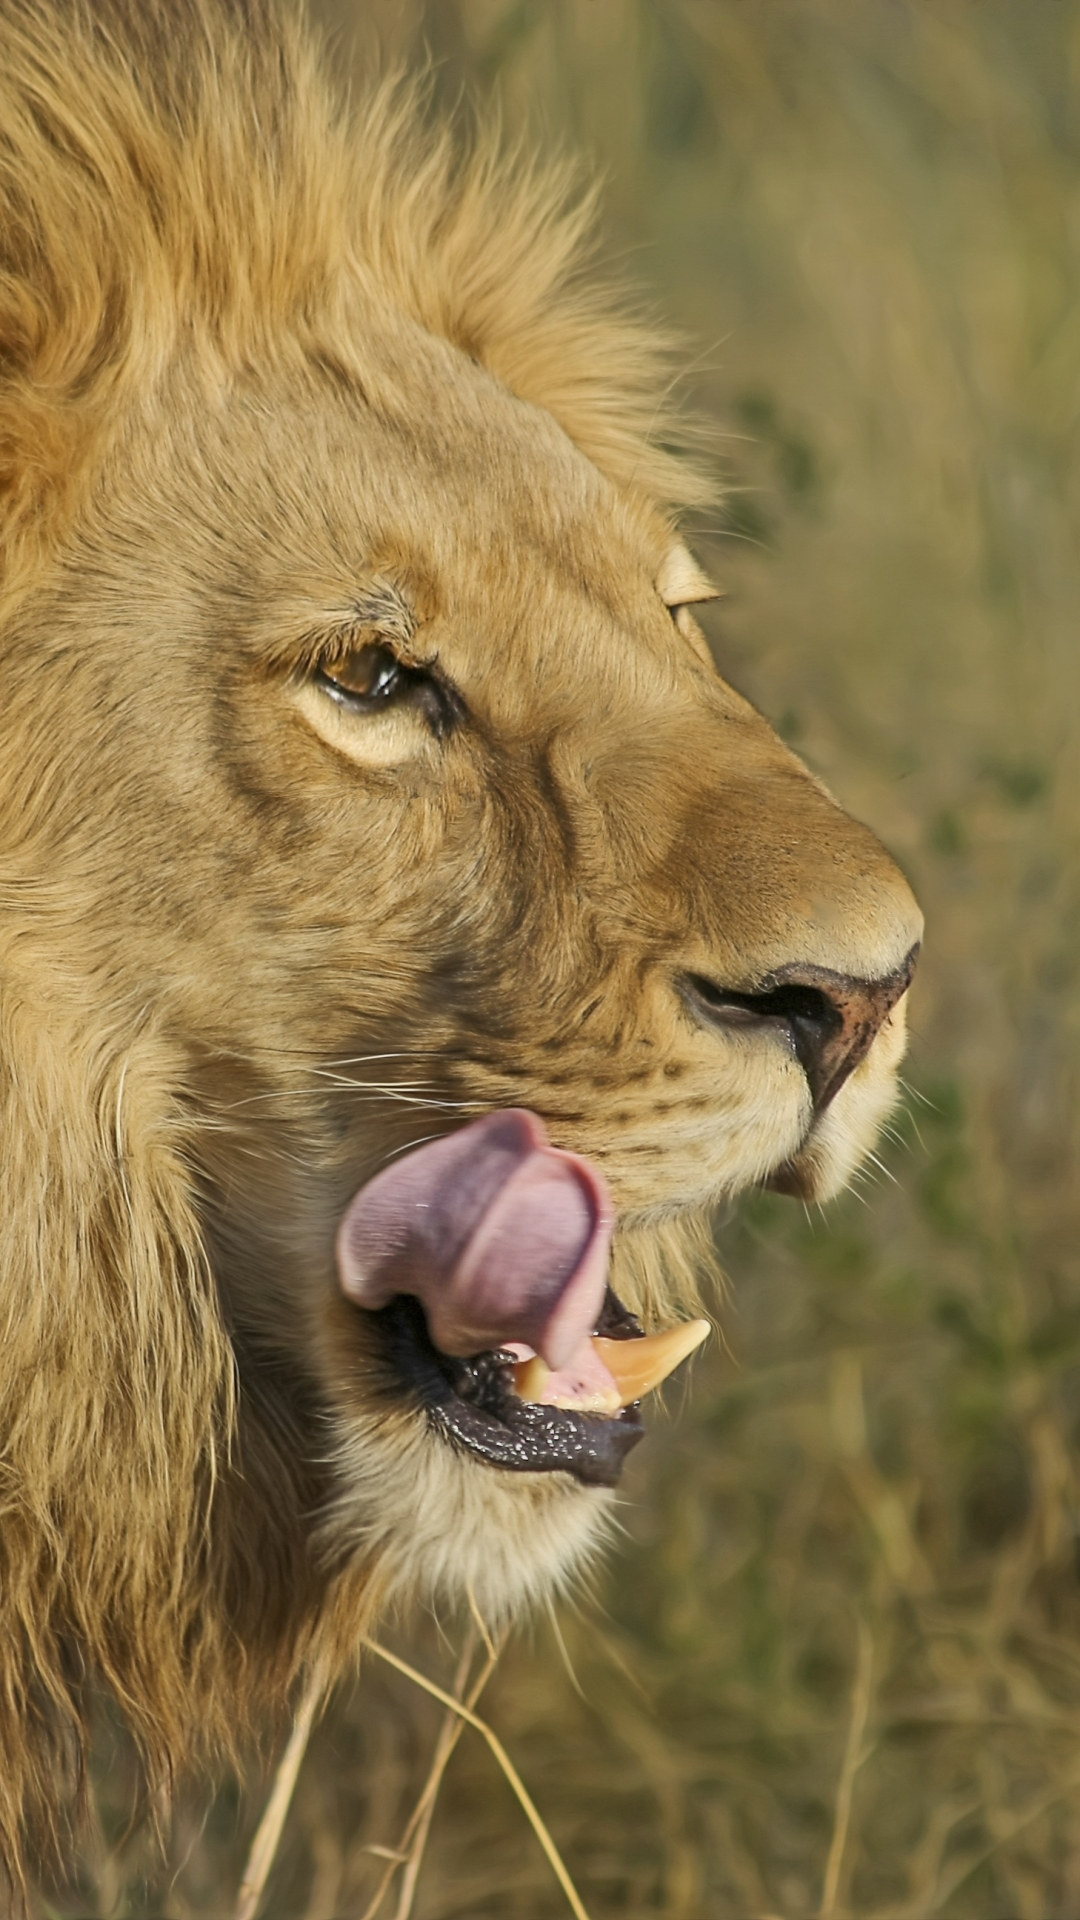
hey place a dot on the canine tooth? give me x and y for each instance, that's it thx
(634, 1368)
(640, 1365)
(534, 1380)
(531, 1377)
(587, 1401)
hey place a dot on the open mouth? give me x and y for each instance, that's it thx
(482, 1258)
(476, 1404)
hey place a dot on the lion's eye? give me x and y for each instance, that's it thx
(366, 677)
(369, 678)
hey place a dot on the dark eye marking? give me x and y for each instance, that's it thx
(368, 677)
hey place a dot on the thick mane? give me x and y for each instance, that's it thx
(116, 1395)
(180, 168)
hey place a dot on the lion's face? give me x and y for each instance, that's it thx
(406, 937)
(400, 786)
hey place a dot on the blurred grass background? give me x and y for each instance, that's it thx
(834, 1667)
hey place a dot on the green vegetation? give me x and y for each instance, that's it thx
(834, 1666)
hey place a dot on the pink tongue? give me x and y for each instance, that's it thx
(500, 1235)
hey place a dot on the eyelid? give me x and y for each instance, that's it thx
(379, 615)
(681, 582)
(341, 643)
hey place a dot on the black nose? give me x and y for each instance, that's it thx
(830, 1019)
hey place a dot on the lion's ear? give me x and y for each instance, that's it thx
(75, 175)
(62, 350)
(36, 457)
(24, 459)
(46, 429)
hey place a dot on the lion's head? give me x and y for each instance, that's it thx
(364, 774)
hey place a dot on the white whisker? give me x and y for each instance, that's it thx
(410, 1144)
(916, 1095)
(883, 1169)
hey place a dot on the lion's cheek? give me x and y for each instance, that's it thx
(733, 1120)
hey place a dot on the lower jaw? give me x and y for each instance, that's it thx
(471, 1404)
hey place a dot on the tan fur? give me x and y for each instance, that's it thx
(268, 372)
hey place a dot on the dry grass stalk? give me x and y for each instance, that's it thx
(410, 1851)
(473, 1720)
(268, 1834)
(853, 1757)
(1008, 1830)
(424, 1810)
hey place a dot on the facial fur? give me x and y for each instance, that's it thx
(257, 940)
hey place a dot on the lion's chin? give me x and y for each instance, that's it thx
(443, 1528)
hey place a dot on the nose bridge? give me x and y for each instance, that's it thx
(706, 836)
(784, 877)
(804, 924)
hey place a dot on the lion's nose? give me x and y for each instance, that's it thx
(830, 1018)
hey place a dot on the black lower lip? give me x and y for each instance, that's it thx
(471, 1403)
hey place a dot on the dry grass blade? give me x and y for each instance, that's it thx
(853, 1755)
(268, 1834)
(1009, 1829)
(473, 1720)
(410, 1851)
(423, 1812)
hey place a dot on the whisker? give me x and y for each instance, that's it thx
(403, 1087)
(404, 1099)
(358, 1087)
(408, 1053)
(883, 1169)
(410, 1144)
(917, 1095)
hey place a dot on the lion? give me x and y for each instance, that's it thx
(408, 938)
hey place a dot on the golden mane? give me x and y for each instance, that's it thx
(181, 169)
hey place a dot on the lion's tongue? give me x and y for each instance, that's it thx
(501, 1236)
